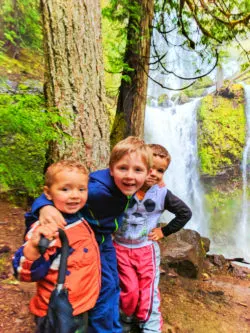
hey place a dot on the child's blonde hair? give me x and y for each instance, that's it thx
(159, 150)
(132, 144)
(62, 165)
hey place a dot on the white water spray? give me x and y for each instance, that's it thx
(176, 129)
(243, 231)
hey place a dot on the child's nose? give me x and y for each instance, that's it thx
(152, 172)
(74, 193)
(130, 173)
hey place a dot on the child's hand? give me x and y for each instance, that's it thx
(31, 251)
(49, 214)
(155, 234)
(49, 231)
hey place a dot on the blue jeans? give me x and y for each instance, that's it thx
(104, 317)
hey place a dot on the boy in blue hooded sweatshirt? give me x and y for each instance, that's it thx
(109, 194)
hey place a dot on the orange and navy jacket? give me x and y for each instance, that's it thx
(83, 277)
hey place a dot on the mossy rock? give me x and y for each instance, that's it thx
(183, 98)
(221, 131)
(163, 100)
(198, 89)
(204, 82)
(194, 93)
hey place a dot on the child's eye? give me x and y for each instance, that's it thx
(65, 189)
(160, 170)
(82, 189)
(123, 168)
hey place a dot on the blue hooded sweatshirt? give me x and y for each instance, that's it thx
(104, 208)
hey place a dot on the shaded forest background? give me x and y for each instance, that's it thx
(40, 123)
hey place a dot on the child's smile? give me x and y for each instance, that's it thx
(129, 173)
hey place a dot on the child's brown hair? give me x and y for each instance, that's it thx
(62, 165)
(129, 145)
(159, 150)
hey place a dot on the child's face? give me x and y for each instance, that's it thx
(69, 190)
(129, 173)
(156, 174)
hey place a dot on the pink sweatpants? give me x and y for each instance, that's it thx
(137, 269)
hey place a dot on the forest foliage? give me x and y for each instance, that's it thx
(20, 26)
(25, 130)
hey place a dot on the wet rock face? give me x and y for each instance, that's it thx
(28, 86)
(184, 252)
(206, 243)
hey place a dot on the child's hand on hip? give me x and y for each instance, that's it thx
(155, 234)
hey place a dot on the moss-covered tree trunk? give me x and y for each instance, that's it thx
(132, 94)
(74, 79)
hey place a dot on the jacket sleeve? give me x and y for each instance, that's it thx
(31, 271)
(33, 214)
(27, 270)
(39, 203)
(181, 211)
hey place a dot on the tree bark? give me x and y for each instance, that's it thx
(132, 95)
(74, 80)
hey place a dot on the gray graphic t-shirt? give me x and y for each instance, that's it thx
(141, 217)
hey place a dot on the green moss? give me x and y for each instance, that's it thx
(25, 131)
(223, 208)
(22, 86)
(192, 93)
(196, 90)
(221, 131)
(163, 99)
(110, 106)
(203, 251)
(29, 63)
(118, 130)
(204, 82)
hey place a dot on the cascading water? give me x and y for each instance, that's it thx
(244, 228)
(176, 129)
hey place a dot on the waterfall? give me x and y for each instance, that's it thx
(176, 129)
(243, 230)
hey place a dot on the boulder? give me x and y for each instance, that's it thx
(206, 243)
(184, 252)
(217, 260)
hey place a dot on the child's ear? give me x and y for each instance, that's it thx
(111, 172)
(46, 191)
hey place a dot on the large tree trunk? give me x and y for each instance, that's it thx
(74, 79)
(132, 95)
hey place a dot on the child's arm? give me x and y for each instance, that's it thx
(156, 234)
(182, 214)
(28, 264)
(30, 250)
(43, 209)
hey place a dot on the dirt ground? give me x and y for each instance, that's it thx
(219, 302)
